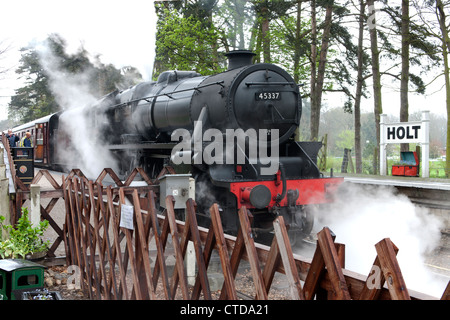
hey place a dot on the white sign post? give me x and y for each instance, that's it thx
(406, 132)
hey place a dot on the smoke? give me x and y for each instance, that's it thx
(362, 216)
(203, 194)
(86, 149)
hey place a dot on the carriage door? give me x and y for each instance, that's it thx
(40, 152)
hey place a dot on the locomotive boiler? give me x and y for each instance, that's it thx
(233, 132)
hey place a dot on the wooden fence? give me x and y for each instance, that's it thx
(115, 262)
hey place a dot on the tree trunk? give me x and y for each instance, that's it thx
(359, 86)
(265, 36)
(378, 106)
(297, 39)
(445, 51)
(404, 113)
(297, 55)
(313, 69)
(317, 77)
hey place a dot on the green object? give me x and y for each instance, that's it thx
(23, 238)
(408, 158)
(19, 274)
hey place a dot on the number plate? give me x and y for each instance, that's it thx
(268, 96)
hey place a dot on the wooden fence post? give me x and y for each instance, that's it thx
(190, 263)
(287, 258)
(179, 273)
(4, 204)
(236, 256)
(35, 207)
(446, 294)
(327, 256)
(246, 231)
(4, 195)
(375, 281)
(391, 270)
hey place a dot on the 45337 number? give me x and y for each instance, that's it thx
(268, 96)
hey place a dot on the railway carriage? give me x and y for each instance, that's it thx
(43, 132)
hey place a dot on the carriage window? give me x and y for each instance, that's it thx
(39, 137)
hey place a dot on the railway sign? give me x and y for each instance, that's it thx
(406, 132)
(403, 133)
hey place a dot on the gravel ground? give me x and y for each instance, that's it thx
(56, 279)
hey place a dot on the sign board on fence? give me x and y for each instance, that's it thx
(126, 216)
(406, 132)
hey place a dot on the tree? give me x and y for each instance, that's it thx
(4, 48)
(433, 16)
(378, 108)
(359, 87)
(233, 16)
(33, 100)
(185, 41)
(346, 139)
(318, 71)
(415, 48)
(441, 16)
(41, 63)
(404, 108)
(332, 65)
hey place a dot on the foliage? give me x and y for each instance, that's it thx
(23, 238)
(187, 43)
(346, 140)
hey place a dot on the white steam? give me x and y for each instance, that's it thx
(71, 91)
(362, 216)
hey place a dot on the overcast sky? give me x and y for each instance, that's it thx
(123, 33)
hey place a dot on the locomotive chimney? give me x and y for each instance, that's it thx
(239, 58)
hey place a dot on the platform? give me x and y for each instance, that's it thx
(398, 181)
(431, 193)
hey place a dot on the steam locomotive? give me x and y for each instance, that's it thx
(184, 119)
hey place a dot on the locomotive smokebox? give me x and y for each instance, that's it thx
(239, 58)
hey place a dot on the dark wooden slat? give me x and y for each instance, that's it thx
(160, 261)
(287, 258)
(375, 281)
(446, 294)
(195, 237)
(180, 274)
(143, 244)
(391, 270)
(131, 259)
(216, 225)
(246, 231)
(117, 253)
(333, 265)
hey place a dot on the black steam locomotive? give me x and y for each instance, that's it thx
(233, 132)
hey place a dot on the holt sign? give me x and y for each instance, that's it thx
(406, 132)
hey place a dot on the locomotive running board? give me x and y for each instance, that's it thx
(141, 146)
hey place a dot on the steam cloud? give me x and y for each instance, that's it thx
(362, 216)
(71, 92)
